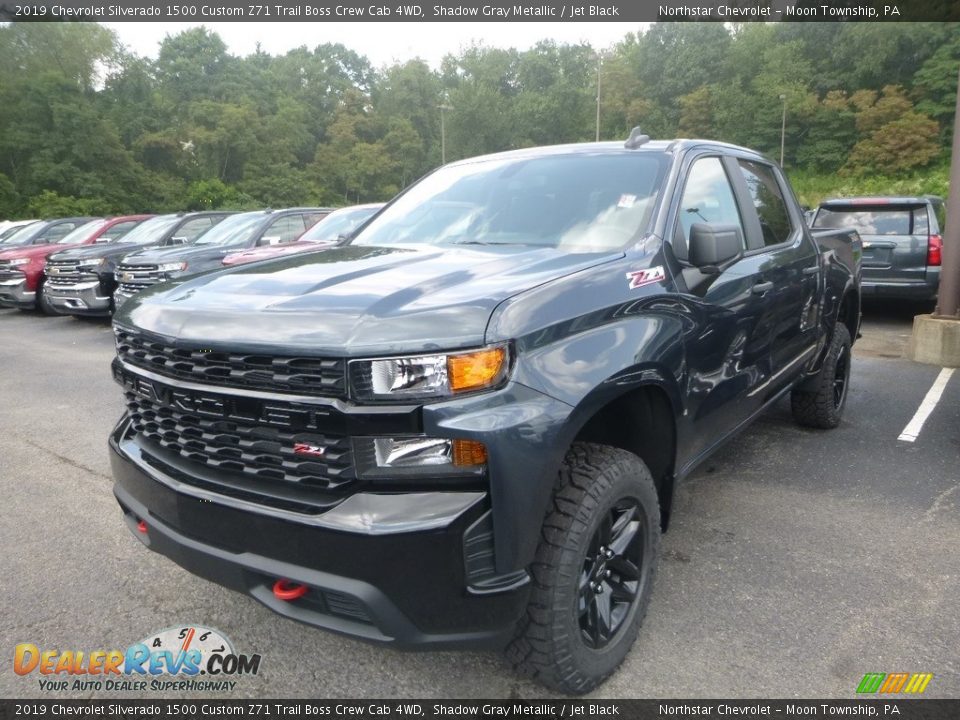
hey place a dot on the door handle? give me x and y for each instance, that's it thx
(812, 270)
(761, 288)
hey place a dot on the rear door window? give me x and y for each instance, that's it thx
(768, 199)
(283, 230)
(192, 229)
(120, 229)
(57, 232)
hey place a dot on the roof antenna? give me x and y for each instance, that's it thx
(636, 139)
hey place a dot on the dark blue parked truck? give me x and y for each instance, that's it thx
(464, 427)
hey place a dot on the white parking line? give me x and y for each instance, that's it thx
(912, 431)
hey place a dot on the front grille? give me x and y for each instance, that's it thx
(134, 278)
(65, 273)
(10, 272)
(230, 446)
(301, 375)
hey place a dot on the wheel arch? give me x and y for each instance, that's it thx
(641, 419)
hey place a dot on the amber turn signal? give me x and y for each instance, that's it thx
(469, 452)
(471, 371)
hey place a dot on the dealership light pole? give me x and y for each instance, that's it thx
(783, 127)
(599, 65)
(948, 299)
(443, 132)
(935, 339)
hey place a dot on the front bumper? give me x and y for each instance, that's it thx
(14, 293)
(394, 580)
(80, 299)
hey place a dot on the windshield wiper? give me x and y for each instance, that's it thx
(489, 242)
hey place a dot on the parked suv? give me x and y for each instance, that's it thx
(261, 228)
(24, 254)
(82, 280)
(902, 241)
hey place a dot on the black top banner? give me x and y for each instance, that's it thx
(892, 707)
(480, 10)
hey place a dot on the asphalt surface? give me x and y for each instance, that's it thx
(796, 562)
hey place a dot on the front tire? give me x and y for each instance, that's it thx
(822, 405)
(593, 573)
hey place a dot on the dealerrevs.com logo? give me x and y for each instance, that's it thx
(189, 657)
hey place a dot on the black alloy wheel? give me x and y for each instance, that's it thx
(610, 581)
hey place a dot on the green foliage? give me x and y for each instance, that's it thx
(215, 195)
(87, 127)
(812, 187)
(9, 198)
(48, 204)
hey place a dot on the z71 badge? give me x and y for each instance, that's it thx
(639, 278)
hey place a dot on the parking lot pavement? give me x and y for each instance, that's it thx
(796, 561)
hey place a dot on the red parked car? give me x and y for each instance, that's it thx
(23, 257)
(328, 232)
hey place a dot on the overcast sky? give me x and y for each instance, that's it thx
(382, 43)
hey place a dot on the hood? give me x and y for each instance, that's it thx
(30, 251)
(272, 251)
(178, 253)
(95, 252)
(352, 300)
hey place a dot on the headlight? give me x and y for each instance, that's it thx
(172, 267)
(18, 261)
(91, 264)
(429, 376)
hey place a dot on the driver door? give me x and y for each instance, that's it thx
(728, 341)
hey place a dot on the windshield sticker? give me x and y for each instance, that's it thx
(627, 201)
(639, 278)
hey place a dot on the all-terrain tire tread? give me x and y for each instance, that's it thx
(538, 650)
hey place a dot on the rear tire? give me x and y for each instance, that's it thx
(593, 573)
(822, 405)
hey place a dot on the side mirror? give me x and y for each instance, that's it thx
(712, 246)
(179, 240)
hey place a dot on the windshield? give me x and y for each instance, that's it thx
(337, 223)
(24, 235)
(11, 231)
(81, 233)
(234, 230)
(149, 232)
(577, 202)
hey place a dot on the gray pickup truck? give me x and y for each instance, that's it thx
(902, 241)
(463, 428)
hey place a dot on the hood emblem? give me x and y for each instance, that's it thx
(639, 278)
(308, 449)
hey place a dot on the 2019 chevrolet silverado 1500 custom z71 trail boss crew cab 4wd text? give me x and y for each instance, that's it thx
(464, 427)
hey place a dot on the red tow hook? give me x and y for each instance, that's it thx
(142, 527)
(285, 590)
